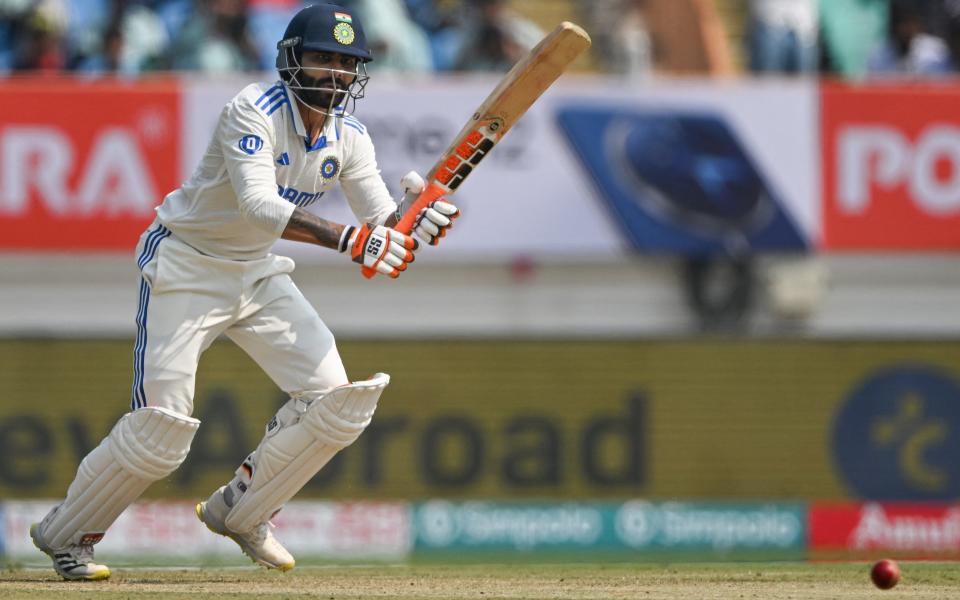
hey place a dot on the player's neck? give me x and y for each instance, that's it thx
(313, 122)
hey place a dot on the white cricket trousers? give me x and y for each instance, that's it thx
(187, 299)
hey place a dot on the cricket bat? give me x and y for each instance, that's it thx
(515, 93)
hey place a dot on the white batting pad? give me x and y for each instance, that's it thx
(144, 446)
(294, 449)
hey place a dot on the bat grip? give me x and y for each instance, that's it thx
(405, 224)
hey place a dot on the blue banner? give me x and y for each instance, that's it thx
(680, 181)
(897, 435)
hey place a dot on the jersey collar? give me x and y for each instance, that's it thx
(298, 125)
(331, 128)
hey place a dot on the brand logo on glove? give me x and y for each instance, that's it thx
(374, 246)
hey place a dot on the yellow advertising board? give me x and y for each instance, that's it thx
(522, 419)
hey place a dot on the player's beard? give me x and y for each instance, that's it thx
(322, 99)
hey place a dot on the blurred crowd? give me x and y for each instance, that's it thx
(135, 36)
(855, 39)
(850, 38)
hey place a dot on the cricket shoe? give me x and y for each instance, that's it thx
(74, 562)
(259, 543)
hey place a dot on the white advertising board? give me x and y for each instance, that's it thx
(332, 530)
(534, 196)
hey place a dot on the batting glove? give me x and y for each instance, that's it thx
(379, 248)
(433, 222)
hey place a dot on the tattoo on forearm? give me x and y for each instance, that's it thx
(307, 227)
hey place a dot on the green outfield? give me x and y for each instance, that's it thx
(767, 581)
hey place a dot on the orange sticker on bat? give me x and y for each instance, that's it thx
(474, 138)
(444, 176)
(452, 163)
(465, 150)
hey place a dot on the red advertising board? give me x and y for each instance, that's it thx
(891, 167)
(83, 164)
(904, 529)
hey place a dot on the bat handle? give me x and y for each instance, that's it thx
(405, 224)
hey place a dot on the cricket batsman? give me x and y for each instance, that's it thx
(207, 270)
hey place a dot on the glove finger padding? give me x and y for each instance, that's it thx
(377, 247)
(435, 218)
(433, 221)
(398, 256)
(401, 251)
(386, 269)
(427, 228)
(445, 208)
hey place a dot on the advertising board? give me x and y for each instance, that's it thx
(744, 164)
(87, 178)
(635, 526)
(895, 435)
(171, 530)
(577, 420)
(904, 530)
(94, 175)
(891, 167)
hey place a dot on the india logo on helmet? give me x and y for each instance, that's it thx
(344, 33)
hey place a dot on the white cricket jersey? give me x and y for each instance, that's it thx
(260, 165)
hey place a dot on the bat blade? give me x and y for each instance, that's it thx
(528, 80)
(515, 93)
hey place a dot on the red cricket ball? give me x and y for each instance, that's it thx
(885, 573)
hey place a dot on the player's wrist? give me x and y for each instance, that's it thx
(345, 237)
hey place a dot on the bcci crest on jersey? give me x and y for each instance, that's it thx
(329, 168)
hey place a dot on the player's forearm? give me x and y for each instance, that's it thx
(307, 227)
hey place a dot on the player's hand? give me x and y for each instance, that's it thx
(380, 248)
(435, 220)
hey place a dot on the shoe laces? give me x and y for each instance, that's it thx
(82, 553)
(262, 533)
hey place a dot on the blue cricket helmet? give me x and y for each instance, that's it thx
(324, 28)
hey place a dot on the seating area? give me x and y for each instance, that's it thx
(634, 38)
(132, 37)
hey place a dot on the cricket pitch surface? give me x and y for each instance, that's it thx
(767, 581)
